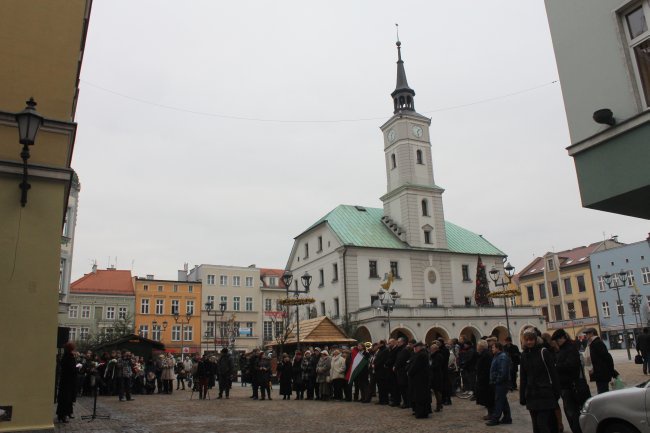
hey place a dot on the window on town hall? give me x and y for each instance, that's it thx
(465, 270)
(427, 236)
(320, 244)
(372, 265)
(322, 308)
(418, 156)
(393, 160)
(394, 269)
(337, 311)
(425, 207)
(321, 278)
(306, 250)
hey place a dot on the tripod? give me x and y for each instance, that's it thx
(95, 385)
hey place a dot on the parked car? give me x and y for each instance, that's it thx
(622, 411)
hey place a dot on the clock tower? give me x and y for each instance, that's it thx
(413, 202)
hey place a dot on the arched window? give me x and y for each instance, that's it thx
(393, 160)
(425, 208)
(418, 156)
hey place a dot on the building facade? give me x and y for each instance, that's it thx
(169, 311)
(561, 285)
(274, 316)
(44, 67)
(351, 250)
(606, 91)
(97, 302)
(633, 307)
(67, 245)
(240, 326)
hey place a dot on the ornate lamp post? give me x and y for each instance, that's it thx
(387, 300)
(287, 279)
(495, 276)
(209, 307)
(183, 322)
(164, 326)
(29, 121)
(613, 284)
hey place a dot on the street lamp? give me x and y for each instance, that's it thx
(209, 307)
(495, 276)
(29, 121)
(635, 303)
(183, 322)
(613, 283)
(154, 324)
(287, 279)
(387, 301)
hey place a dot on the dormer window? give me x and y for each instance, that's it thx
(418, 156)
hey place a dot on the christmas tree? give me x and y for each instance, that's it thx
(482, 286)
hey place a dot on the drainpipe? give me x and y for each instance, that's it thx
(345, 287)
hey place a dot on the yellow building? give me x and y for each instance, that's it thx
(562, 286)
(41, 51)
(170, 312)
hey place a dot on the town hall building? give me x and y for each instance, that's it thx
(350, 252)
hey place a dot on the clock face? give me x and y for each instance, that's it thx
(417, 131)
(392, 135)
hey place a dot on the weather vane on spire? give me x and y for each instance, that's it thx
(397, 30)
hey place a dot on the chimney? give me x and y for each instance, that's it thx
(94, 268)
(149, 276)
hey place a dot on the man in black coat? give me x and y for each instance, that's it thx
(643, 349)
(567, 363)
(418, 374)
(602, 365)
(401, 370)
(515, 357)
(394, 348)
(381, 372)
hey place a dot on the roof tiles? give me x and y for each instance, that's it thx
(104, 282)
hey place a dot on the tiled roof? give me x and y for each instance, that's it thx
(362, 226)
(268, 272)
(319, 330)
(104, 282)
(567, 258)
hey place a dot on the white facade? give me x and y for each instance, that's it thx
(67, 245)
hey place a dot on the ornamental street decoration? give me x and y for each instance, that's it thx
(482, 291)
(296, 301)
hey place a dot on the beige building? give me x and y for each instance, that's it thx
(238, 288)
(561, 285)
(273, 315)
(41, 51)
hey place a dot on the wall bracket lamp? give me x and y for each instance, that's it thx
(29, 121)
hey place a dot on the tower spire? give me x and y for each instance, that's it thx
(403, 95)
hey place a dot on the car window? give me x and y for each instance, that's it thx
(644, 384)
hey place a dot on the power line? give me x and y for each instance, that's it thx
(257, 119)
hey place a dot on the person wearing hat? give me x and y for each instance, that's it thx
(598, 357)
(569, 370)
(225, 371)
(418, 374)
(539, 388)
(323, 377)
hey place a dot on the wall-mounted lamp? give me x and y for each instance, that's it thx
(604, 116)
(28, 123)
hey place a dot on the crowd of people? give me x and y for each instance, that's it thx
(397, 373)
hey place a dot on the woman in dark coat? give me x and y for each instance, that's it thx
(539, 387)
(296, 375)
(418, 374)
(285, 373)
(437, 373)
(484, 391)
(264, 375)
(225, 371)
(67, 391)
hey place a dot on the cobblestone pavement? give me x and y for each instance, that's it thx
(239, 414)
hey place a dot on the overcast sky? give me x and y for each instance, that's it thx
(216, 132)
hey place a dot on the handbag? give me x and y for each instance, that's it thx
(638, 359)
(580, 388)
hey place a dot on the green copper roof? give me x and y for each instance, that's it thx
(364, 228)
